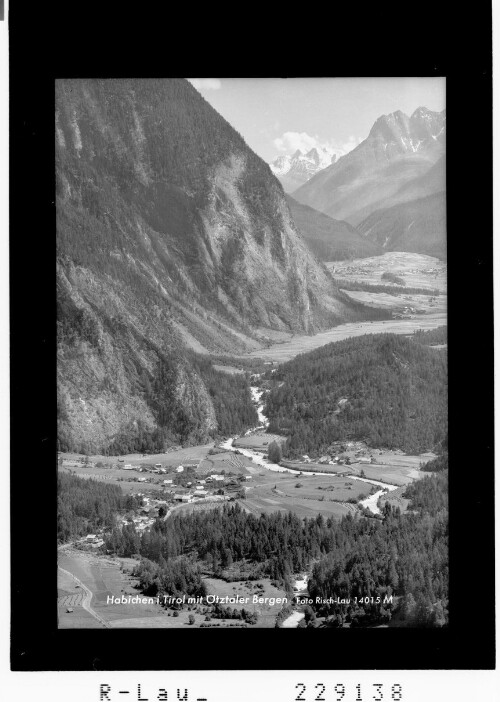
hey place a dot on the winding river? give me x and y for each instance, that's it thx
(293, 620)
(256, 457)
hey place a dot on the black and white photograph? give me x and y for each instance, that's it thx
(252, 382)
(249, 326)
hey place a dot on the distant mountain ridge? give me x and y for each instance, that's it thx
(292, 171)
(418, 226)
(380, 172)
(330, 239)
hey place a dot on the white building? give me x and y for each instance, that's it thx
(179, 469)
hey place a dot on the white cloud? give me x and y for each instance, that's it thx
(289, 142)
(205, 83)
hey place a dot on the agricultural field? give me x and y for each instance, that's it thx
(232, 370)
(228, 461)
(113, 476)
(394, 467)
(301, 507)
(272, 492)
(198, 506)
(70, 596)
(281, 353)
(112, 471)
(103, 576)
(398, 302)
(315, 487)
(417, 270)
(172, 458)
(258, 441)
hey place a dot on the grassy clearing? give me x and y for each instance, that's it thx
(301, 507)
(302, 344)
(232, 370)
(418, 270)
(259, 441)
(396, 303)
(395, 499)
(313, 488)
(247, 589)
(228, 461)
(103, 577)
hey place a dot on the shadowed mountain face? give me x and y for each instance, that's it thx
(418, 226)
(330, 239)
(384, 170)
(171, 233)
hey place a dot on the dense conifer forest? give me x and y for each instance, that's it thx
(383, 389)
(403, 555)
(431, 337)
(84, 506)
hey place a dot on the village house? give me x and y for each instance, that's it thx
(183, 498)
(200, 493)
(179, 469)
(127, 466)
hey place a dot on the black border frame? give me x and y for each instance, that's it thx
(458, 48)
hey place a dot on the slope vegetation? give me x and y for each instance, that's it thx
(330, 239)
(383, 389)
(171, 233)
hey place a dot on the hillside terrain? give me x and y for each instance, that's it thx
(330, 239)
(383, 389)
(417, 226)
(171, 235)
(400, 160)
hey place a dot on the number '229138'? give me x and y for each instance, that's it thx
(339, 692)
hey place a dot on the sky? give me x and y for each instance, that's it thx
(277, 116)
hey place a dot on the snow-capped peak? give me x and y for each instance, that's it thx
(300, 167)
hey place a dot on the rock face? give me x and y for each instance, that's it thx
(172, 235)
(383, 170)
(293, 171)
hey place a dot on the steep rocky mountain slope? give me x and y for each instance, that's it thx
(330, 239)
(418, 226)
(384, 170)
(292, 171)
(172, 235)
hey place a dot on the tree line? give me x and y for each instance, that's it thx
(400, 555)
(85, 505)
(382, 389)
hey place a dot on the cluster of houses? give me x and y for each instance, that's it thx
(91, 541)
(200, 489)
